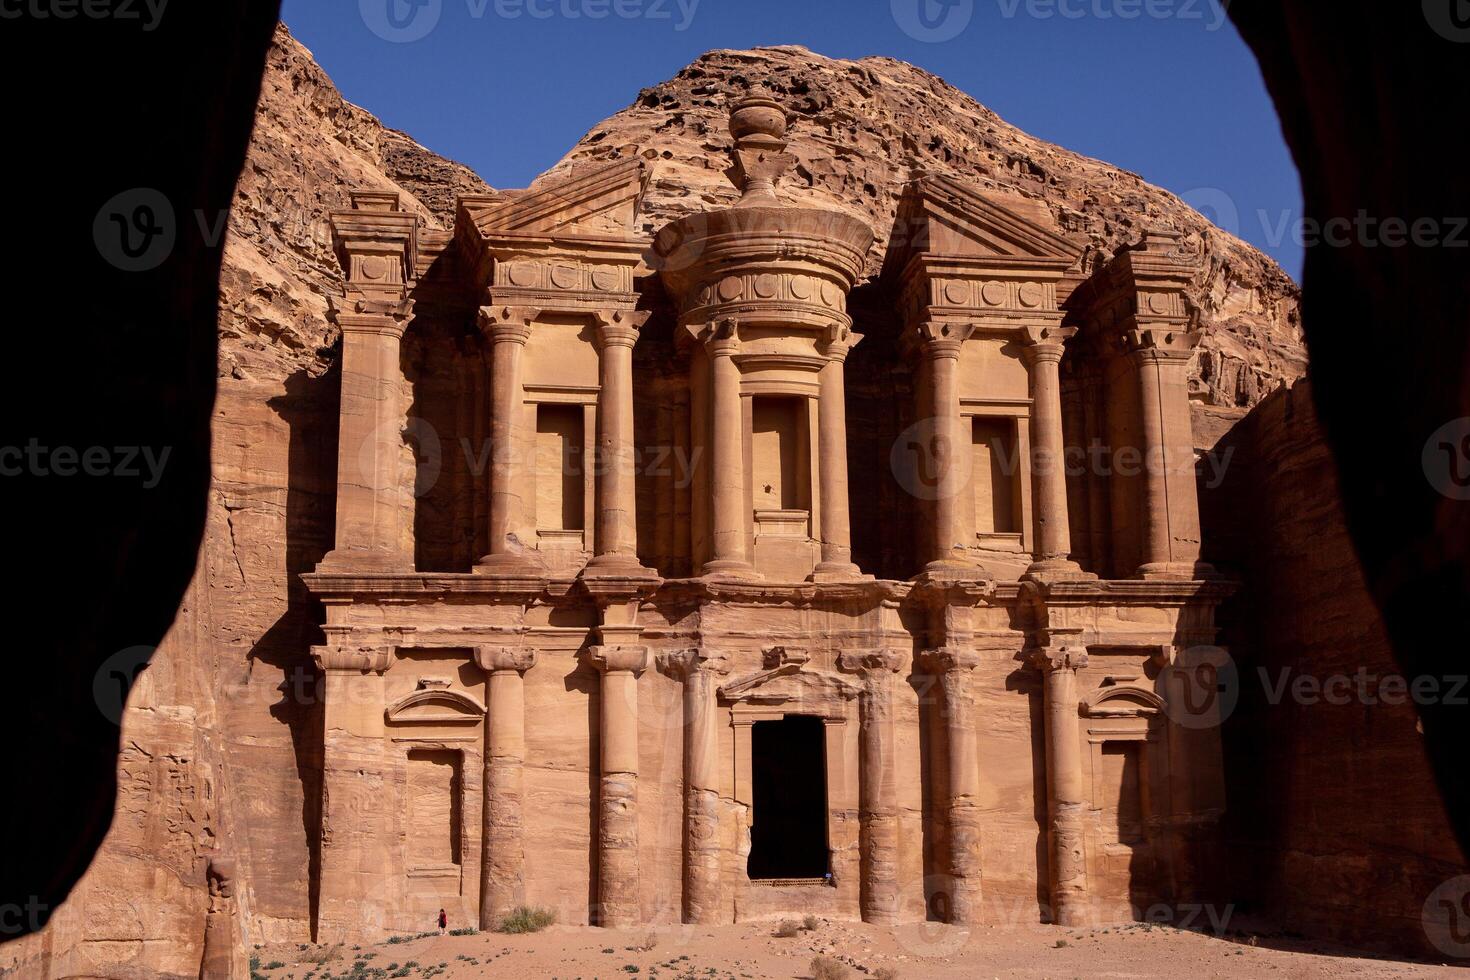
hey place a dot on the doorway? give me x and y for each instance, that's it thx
(788, 837)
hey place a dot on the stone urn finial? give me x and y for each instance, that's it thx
(759, 125)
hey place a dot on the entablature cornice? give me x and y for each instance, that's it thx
(1143, 288)
(375, 240)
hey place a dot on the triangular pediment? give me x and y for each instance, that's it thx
(940, 216)
(598, 201)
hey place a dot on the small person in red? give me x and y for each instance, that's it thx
(443, 922)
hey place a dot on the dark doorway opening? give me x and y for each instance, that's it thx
(788, 837)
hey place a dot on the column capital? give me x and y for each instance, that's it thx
(1056, 658)
(364, 659)
(502, 660)
(939, 339)
(838, 342)
(1044, 342)
(872, 662)
(720, 337)
(945, 660)
(1160, 342)
(619, 328)
(507, 324)
(357, 313)
(680, 664)
(619, 659)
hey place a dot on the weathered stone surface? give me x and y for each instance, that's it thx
(1348, 838)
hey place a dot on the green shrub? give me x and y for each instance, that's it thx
(526, 919)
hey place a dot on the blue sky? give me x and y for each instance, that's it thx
(1164, 88)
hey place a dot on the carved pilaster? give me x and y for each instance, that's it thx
(1067, 798)
(617, 880)
(953, 667)
(878, 784)
(377, 245)
(701, 672)
(502, 862)
(508, 329)
(616, 543)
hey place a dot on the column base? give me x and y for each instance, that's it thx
(729, 568)
(1188, 571)
(617, 566)
(951, 570)
(364, 561)
(1057, 570)
(839, 571)
(518, 564)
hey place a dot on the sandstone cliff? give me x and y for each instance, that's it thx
(1331, 796)
(222, 737)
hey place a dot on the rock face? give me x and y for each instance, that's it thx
(222, 739)
(1330, 790)
(863, 129)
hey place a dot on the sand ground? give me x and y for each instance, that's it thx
(752, 951)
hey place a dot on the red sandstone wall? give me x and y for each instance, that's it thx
(1338, 827)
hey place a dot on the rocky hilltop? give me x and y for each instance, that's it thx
(221, 738)
(862, 129)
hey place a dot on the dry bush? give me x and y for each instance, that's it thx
(810, 923)
(885, 973)
(826, 968)
(787, 929)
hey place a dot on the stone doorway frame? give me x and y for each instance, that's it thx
(784, 689)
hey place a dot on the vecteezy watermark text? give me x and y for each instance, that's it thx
(125, 462)
(406, 21)
(148, 13)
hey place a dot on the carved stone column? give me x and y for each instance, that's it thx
(836, 531)
(728, 475)
(949, 447)
(617, 533)
(377, 244)
(355, 831)
(878, 783)
(503, 857)
(1066, 794)
(1043, 349)
(617, 824)
(701, 673)
(953, 668)
(507, 329)
(1171, 538)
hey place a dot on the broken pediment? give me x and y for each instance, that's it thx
(598, 201)
(941, 217)
(1123, 701)
(792, 687)
(435, 704)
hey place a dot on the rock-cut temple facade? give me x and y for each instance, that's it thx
(734, 618)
